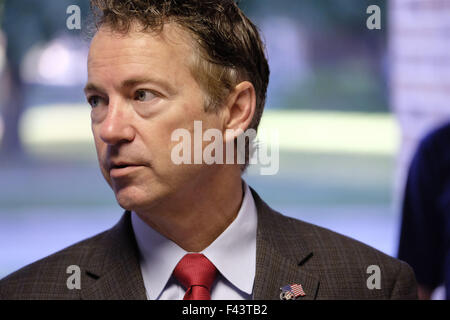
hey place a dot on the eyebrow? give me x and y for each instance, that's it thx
(129, 83)
(93, 87)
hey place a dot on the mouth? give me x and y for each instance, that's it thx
(123, 169)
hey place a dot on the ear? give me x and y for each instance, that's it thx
(239, 110)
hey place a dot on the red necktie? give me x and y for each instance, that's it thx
(197, 274)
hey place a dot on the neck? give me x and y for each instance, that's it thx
(195, 217)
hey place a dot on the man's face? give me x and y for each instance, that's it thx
(141, 90)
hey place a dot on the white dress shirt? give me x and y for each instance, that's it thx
(233, 253)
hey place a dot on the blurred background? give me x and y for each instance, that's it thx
(350, 105)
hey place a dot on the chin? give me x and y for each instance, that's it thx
(135, 200)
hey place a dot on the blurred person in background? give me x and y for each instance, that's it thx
(425, 229)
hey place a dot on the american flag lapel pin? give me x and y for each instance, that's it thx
(291, 292)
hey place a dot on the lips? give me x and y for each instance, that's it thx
(119, 169)
(121, 165)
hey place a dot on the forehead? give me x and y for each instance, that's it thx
(167, 48)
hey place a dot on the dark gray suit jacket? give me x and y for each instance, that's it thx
(326, 264)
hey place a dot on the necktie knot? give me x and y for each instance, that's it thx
(197, 274)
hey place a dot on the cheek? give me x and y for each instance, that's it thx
(158, 141)
(100, 147)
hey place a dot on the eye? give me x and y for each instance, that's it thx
(144, 95)
(94, 101)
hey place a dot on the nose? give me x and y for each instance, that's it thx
(117, 127)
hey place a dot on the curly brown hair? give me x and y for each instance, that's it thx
(229, 46)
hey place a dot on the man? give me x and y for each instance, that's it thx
(193, 231)
(425, 233)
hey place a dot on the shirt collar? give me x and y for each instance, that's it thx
(235, 246)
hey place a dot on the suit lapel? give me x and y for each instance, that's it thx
(274, 271)
(277, 258)
(112, 271)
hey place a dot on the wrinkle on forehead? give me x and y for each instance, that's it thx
(171, 34)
